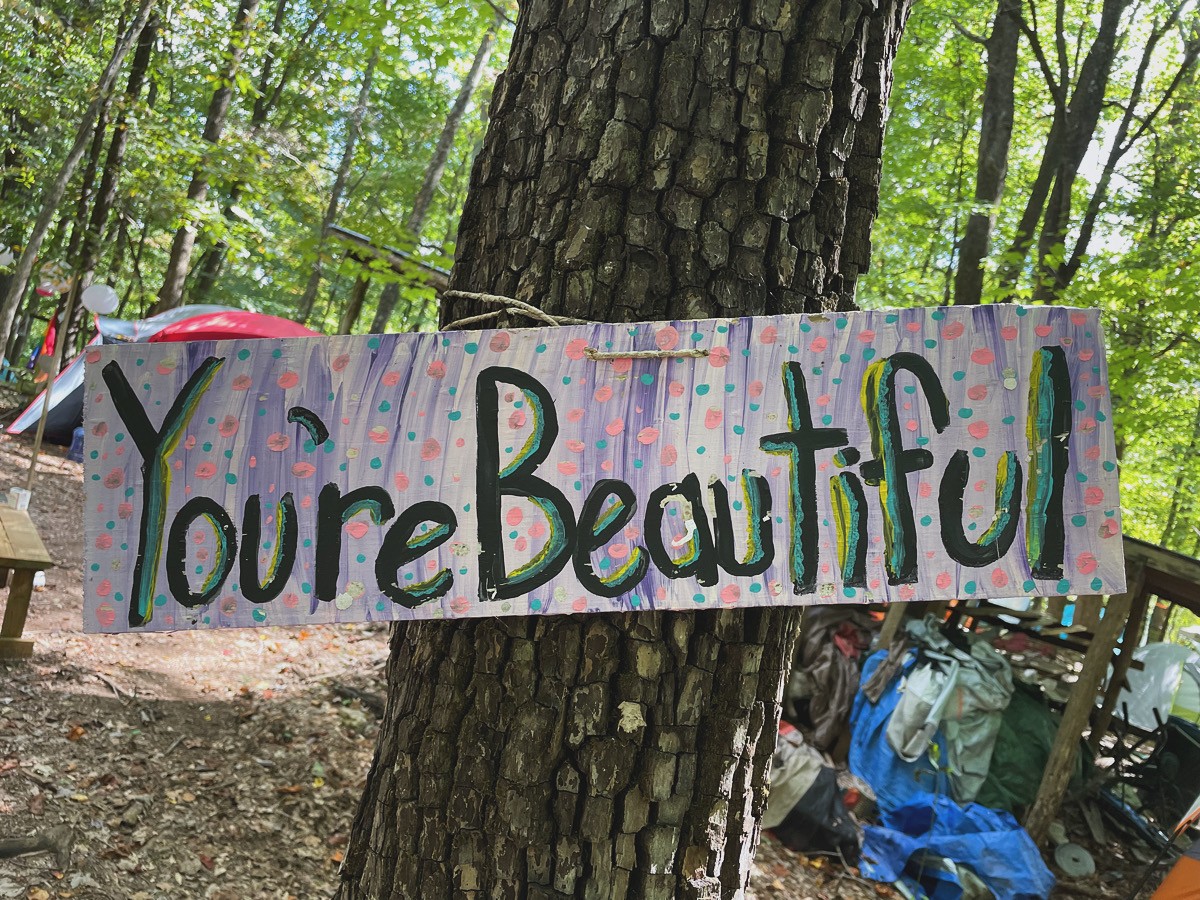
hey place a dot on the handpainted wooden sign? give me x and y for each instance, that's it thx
(914, 454)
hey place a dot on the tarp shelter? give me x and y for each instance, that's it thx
(186, 323)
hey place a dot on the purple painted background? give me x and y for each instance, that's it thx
(401, 413)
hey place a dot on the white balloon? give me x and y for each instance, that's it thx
(6, 256)
(100, 298)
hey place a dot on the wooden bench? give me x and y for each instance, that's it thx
(22, 553)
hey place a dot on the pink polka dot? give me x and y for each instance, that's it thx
(93, 357)
(667, 337)
(718, 357)
(911, 425)
(390, 379)
(379, 434)
(521, 545)
(755, 388)
(356, 529)
(166, 367)
(106, 615)
(983, 356)
(823, 400)
(288, 380)
(228, 426)
(575, 348)
(1086, 563)
(303, 470)
(1092, 453)
(907, 592)
(459, 605)
(731, 593)
(567, 467)
(437, 369)
(104, 541)
(942, 580)
(618, 551)
(999, 578)
(604, 394)
(517, 419)
(866, 336)
(579, 604)
(1086, 355)
(1093, 496)
(978, 430)
(401, 481)
(648, 435)
(925, 489)
(818, 344)
(1009, 332)
(278, 442)
(100, 429)
(291, 601)
(675, 389)
(125, 509)
(499, 342)
(241, 383)
(1042, 330)
(114, 479)
(769, 335)
(431, 449)
(615, 427)
(669, 455)
(514, 516)
(538, 530)
(952, 331)
(712, 418)
(575, 446)
(574, 415)
(206, 470)
(977, 392)
(339, 363)
(104, 588)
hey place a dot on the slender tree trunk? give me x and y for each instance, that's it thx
(995, 136)
(58, 187)
(353, 128)
(170, 295)
(643, 161)
(437, 163)
(1178, 498)
(354, 303)
(208, 270)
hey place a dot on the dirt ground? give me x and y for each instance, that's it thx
(219, 764)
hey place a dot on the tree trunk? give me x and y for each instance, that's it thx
(170, 295)
(437, 163)
(106, 194)
(58, 187)
(643, 161)
(208, 270)
(353, 127)
(995, 134)
(354, 303)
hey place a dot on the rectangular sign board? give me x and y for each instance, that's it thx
(887, 455)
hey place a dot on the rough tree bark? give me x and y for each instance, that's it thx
(170, 295)
(353, 128)
(643, 161)
(58, 187)
(437, 163)
(995, 135)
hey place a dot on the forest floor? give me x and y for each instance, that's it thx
(220, 764)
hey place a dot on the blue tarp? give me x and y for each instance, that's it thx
(917, 812)
(988, 842)
(872, 758)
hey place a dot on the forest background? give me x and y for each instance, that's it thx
(203, 151)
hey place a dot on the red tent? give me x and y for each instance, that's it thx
(232, 324)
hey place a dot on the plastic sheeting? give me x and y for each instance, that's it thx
(987, 842)
(1170, 678)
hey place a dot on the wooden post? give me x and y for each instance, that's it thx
(1129, 642)
(891, 624)
(12, 645)
(1079, 707)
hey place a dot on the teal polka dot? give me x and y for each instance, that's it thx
(243, 355)
(376, 462)
(868, 355)
(979, 452)
(601, 444)
(1008, 420)
(959, 376)
(455, 415)
(1081, 477)
(1078, 520)
(471, 347)
(429, 481)
(755, 588)
(730, 388)
(1028, 587)
(412, 435)
(1064, 585)
(637, 463)
(373, 343)
(535, 605)
(969, 587)
(826, 420)
(910, 389)
(930, 343)
(1100, 416)
(937, 315)
(966, 412)
(1109, 465)
(738, 429)
(259, 615)
(700, 451)
(848, 592)
(793, 349)
(698, 598)
(119, 436)
(646, 379)
(702, 389)
(384, 406)
(231, 478)
(1097, 584)
(95, 454)
(805, 327)
(844, 357)
(1080, 405)
(926, 520)
(206, 446)
(840, 323)
(452, 391)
